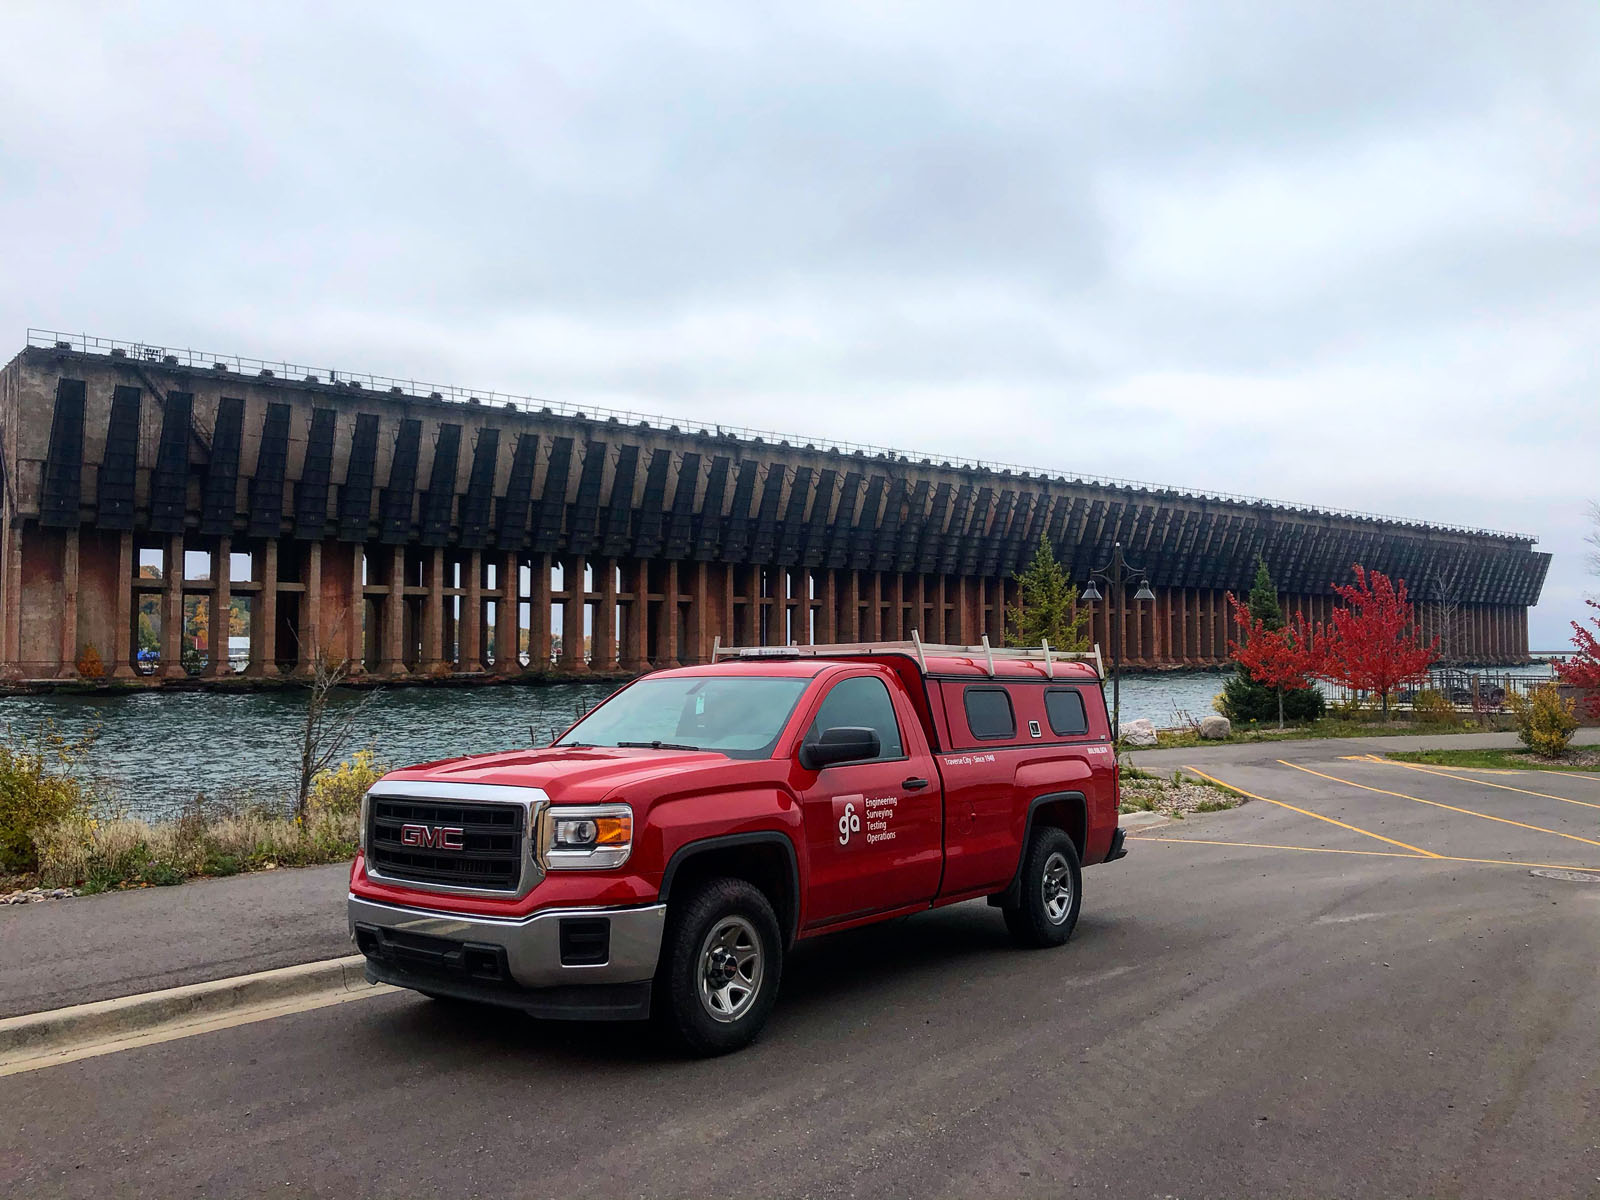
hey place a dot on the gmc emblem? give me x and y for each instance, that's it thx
(433, 837)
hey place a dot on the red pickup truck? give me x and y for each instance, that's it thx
(662, 855)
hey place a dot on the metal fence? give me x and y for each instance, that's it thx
(145, 352)
(1468, 690)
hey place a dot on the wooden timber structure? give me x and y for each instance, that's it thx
(425, 532)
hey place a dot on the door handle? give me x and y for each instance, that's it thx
(913, 785)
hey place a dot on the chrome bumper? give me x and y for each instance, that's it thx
(532, 944)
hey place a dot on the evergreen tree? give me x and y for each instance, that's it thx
(1047, 606)
(1245, 701)
(1263, 601)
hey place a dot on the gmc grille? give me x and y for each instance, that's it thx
(492, 839)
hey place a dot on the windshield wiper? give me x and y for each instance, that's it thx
(656, 745)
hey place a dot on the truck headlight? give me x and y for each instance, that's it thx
(361, 829)
(586, 838)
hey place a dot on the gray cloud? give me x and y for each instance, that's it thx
(1339, 254)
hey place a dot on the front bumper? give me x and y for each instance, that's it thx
(560, 953)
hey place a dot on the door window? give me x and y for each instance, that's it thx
(862, 702)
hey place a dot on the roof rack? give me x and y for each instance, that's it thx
(919, 649)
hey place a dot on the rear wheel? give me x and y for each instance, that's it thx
(1052, 890)
(721, 961)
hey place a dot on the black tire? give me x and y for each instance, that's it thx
(1040, 919)
(724, 929)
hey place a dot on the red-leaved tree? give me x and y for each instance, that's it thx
(1583, 669)
(1284, 659)
(1372, 643)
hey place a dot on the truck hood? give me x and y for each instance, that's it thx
(574, 776)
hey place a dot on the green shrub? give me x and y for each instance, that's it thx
(38, 789)
(1349, 709)
(1545, 722)
(1245, 702)
(1433, 707)
(338, 790)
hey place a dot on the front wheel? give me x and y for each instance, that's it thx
(1052, 890)
(720, 965)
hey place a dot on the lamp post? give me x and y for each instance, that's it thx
(1115, 574)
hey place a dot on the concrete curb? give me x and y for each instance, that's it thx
(1142, 820)
(34, 1032)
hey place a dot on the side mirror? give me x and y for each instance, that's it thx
(841, 744)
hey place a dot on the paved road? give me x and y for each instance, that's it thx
(1258, 1003)
(64, 952)
(95, 947)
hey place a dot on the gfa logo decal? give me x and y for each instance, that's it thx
(848, 819)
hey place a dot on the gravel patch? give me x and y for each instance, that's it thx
(1174, 797)
(36, 895)
(1573, 757)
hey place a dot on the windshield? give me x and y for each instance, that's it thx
(740, 716)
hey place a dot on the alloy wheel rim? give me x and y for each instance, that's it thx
(1057, 888)
(731, 968)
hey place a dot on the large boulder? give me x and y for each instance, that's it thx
(1137, 733)
(1215, 728)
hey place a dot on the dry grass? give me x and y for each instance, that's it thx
(96, 855)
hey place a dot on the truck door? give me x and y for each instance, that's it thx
(872, 828)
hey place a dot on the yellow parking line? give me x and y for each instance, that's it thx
(1450, 807)
(1306, 812)
(1493, 862)
(1148, 837)
(1504, 787)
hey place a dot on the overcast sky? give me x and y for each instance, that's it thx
(1341, 254)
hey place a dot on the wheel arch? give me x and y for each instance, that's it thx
(766, 859)
(1067, 811)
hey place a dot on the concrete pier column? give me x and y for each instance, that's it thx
(172, 612)
(874, 630)
(604, 657)
(392, 657)
(572, 614)
(217, 664)
(264, 616)
(698, 625)
(471, 635)
(508, 574)
(354, 648)
(730, 626)
(638, 627)
(667, 637)
(121, 664)
(433, 613)
(313, 638)
(850, 614)
(539, 614)
(11, 635)
(828, 607)
(69, 606)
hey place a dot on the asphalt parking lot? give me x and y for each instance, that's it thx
(1369, 980)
